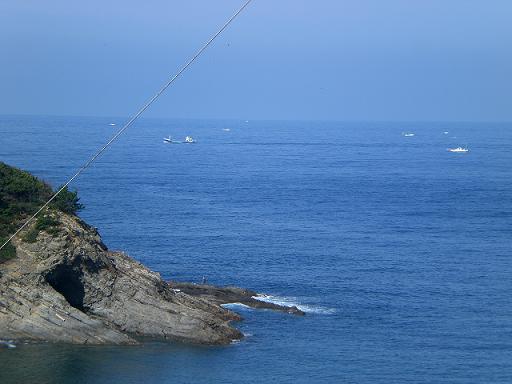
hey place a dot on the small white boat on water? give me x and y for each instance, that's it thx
(112, 124)
(170, 140)
(226, 129)
(458, 149)
(407, 134)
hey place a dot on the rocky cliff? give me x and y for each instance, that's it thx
(60, 283)
(65, 286)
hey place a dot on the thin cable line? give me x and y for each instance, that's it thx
(131, 121)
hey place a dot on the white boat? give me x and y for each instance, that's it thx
(168, 139)
(189, 140)
(226, 129)
(458, 149)
(407, 134)
(112, 124)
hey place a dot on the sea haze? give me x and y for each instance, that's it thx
(398, 250)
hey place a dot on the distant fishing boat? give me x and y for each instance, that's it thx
(226, 129)
(170, 140)
(407, 134)
(112, 124)
(458, 149)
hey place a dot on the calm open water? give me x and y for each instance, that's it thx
(399, 251)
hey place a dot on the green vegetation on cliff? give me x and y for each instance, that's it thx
(21, 195)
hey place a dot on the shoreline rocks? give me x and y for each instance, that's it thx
(66, 286)
(231, 295)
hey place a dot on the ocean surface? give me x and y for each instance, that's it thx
(399, 251)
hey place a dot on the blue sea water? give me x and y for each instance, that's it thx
(398, 250)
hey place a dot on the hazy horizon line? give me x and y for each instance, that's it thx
(127, 117)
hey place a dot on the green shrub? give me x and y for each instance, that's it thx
(8, 252)
(67, 201)
(46, 221)
(43, 223)
(31, 236)
(21, 195)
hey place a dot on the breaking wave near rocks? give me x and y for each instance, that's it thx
(295, 301)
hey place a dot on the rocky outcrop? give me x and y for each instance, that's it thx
(227, 295)
(64, 285)
(68, 287)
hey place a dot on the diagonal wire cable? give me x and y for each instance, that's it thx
(132, 120)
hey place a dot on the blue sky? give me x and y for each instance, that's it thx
(282, 59)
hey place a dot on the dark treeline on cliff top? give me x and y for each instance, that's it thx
(21, 195)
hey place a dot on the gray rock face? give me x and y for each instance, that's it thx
(67, 287)
(226, 295)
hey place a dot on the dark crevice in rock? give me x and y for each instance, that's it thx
(68, 281)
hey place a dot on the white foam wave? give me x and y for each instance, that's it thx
(231, 305)
(293, 301)
(7, 344)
